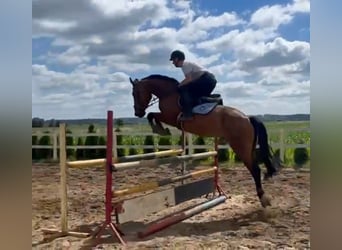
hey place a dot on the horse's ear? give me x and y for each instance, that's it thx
(130, 79)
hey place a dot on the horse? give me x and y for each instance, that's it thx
(240, 131)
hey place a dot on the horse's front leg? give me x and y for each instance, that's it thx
(151, 121)
(154, 119)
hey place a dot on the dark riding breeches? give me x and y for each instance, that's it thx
(202, 86)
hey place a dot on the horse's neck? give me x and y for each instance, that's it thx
(169, 105)
(167, 94)
(161, 90)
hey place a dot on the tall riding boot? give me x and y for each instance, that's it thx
(186, 102)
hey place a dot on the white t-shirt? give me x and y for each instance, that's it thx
(194, 69)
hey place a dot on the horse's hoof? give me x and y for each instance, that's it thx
(265, 201)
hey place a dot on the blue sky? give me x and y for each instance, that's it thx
(83, 52)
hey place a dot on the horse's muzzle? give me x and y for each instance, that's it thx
(140, 114)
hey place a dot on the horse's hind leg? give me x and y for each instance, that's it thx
(256, 173)
(243, 151)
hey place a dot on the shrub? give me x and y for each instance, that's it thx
(148, 142)
(300, 156)
(223, 154)
(34, 150)
(101, 152)
(80, 151)
(132, 151)
(44, 153)
(69, 140)
(237, 158)
(91, 141)
(199, 141)
(119, 141)
(164, 141)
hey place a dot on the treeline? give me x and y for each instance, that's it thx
(39, 122)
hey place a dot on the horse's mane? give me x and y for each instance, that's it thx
(161, 77)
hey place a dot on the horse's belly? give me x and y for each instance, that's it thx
(204, 125)
(221, 121)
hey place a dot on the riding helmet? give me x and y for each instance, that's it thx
(177, 54)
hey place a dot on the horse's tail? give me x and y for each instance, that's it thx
(262, 137)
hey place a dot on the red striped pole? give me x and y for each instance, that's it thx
(109, 182)
(109, 177)
(178, 217)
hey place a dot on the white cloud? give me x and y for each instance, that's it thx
(72, 56)
(293, 91)
(279, 52)
(276, 15)
(237, 89)
(244, 43)
(228, 70)
(200, 28)
(271, 17)
(56, 26)
(97, 45)
(79, 90)
(300, 6)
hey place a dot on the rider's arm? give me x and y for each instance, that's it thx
(186, 80)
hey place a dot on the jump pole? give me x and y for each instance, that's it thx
(147, 186)
(157, 162)
(178, 217)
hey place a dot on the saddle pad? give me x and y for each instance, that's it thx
(204, 108)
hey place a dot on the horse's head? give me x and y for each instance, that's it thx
(158, 85)
(141, 97)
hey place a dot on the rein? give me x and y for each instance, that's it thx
(153, 101)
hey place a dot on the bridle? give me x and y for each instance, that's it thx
(153, 101)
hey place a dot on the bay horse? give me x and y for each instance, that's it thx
(240, 131)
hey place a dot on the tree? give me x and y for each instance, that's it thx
(91, 141)
(119, 122)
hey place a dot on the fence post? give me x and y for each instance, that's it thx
(190, 145)
(282, 145)
(64, 171)
(115, 145)
(54, 143)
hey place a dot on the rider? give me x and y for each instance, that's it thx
(198, 82)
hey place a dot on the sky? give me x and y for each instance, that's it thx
(83, 52)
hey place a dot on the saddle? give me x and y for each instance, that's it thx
(203, 106)
(213, 98)
(206, 104)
